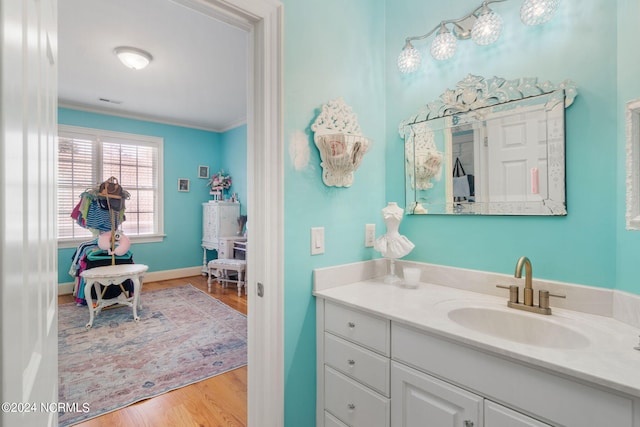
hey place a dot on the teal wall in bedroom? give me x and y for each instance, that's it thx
(184, 150)
(234, 153)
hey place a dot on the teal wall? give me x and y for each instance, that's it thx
(578, 248)
(628, 246)
(234, 153)
(336, 48)
(332, 48)
(184, 150)
(349, 48)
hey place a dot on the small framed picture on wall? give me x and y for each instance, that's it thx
(183, 184)
(203, 172)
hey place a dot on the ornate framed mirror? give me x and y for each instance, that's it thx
(633, 164)
(489, 147)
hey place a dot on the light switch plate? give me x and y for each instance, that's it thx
(317, 240)
(369, 235)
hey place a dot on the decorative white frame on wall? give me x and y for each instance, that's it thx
(633, 164)
(203, 172)
(340, 142)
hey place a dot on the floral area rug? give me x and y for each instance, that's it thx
(183, 336)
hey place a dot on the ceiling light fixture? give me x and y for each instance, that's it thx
(482, 25)
(133, 57)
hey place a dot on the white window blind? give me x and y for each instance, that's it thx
(87, 157)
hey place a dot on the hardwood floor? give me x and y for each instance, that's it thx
(215, 402)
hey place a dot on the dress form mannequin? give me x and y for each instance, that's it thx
(392, 244)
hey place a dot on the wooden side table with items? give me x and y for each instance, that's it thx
(113, 275)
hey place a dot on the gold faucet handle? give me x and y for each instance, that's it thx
(513, 292)
(543, 297)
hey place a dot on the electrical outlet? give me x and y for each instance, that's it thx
(317, 240)
(369, 235)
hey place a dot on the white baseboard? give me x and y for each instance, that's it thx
(153, 276)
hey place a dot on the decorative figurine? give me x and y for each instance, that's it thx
(392, 244)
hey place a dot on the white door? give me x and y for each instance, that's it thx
(516, 149)
(28, 251)
(420, 400)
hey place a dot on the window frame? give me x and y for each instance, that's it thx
(69, 131)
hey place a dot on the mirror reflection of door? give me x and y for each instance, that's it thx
(509, 138)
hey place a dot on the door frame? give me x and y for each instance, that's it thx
(263, 21)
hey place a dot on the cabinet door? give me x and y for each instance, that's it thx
(498, 416)
(420, 400)
(209, 222)
(228, 214)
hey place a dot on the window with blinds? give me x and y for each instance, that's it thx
(87, 157)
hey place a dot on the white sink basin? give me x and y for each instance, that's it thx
(525, 328)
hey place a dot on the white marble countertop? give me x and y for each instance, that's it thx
(608, 359)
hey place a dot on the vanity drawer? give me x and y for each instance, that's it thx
(368, 367)
(362, 328)
(331, 421)
(353, 403)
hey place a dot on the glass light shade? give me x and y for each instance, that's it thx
(132, 57)
(487, 28)
(444, 45)
(536, 12)
(409, 59)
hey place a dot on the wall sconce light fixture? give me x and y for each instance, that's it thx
(482, 25)
(340, 142)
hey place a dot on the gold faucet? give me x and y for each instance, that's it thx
(527, 305)
(528, 281)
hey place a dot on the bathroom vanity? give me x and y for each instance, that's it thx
(392, 356)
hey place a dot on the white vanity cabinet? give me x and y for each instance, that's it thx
(353, 366)
(419, 397)
(374, 371)
(219, 228)
(528, 396)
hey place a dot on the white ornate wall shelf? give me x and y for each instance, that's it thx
(340, 142)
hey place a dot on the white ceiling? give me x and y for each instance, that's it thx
(198, 76)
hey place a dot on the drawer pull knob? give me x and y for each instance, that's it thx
(351, 406)
(351, 362)
(351, 324)
(468, 423)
